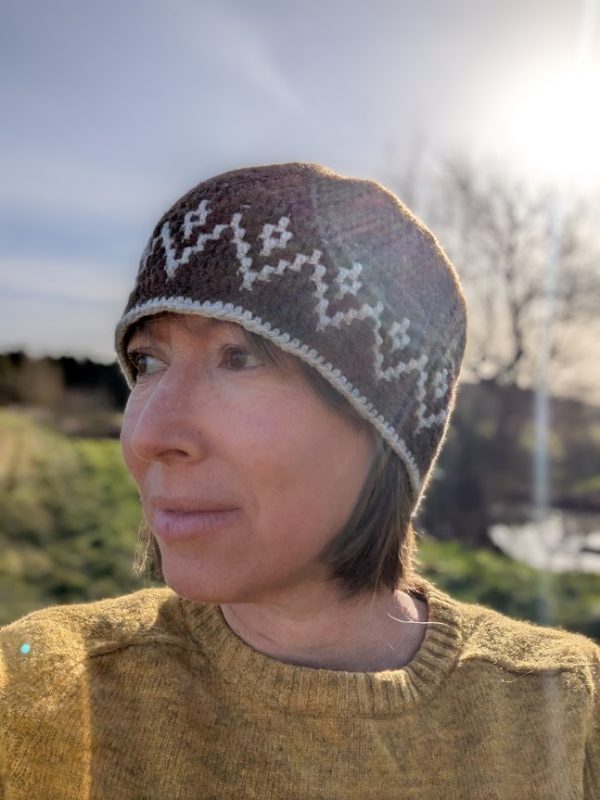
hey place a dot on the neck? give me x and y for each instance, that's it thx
(320, 629)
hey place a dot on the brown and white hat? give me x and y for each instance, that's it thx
(334, 270)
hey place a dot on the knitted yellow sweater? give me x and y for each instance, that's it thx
(149, 696)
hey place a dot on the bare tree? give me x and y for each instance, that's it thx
(500, 233)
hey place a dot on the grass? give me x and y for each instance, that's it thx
(69, 515)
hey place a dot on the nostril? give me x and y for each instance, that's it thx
(160, 438)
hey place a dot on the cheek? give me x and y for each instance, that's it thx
(128, 423)
(273, 435)
(305, 461)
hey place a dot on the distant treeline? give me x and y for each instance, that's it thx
(78, 397)
(70, 512)
(484, 474)
(26, 380)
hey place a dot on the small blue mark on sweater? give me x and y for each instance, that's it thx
(25, 648)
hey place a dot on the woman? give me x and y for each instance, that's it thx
(293, 343)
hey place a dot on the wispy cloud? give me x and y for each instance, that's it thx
(113, 110)
(41, 181)
(57, 328)
(82, 282)
(245, 48)
(56, 306)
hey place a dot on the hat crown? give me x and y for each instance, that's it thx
(333, 269)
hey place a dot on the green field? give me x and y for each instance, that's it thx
(69, 515)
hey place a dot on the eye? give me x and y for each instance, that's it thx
(142, 363)
(237, 358)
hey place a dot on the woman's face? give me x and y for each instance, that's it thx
(208, 426)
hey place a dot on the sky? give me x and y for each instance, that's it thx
(112, 110)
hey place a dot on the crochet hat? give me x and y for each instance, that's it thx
(334, 270)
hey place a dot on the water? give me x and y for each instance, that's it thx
(571, 541)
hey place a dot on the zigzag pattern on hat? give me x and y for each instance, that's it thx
(197, 218)
(334, 270)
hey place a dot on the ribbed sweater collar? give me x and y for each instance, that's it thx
(263, 680)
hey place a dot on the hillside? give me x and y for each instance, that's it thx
(69, 514)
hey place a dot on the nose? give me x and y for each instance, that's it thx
(163, 420)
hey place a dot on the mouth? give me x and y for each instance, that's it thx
(172, 525)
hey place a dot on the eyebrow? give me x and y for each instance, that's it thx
(147, 325)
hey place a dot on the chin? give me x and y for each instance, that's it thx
(221, 580)
(193, 585)
(202, 585)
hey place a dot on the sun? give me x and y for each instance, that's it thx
(554, 127)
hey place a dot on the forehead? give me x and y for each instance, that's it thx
(161, 324)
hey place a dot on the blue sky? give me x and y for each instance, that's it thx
(113, 109)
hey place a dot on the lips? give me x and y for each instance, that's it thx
(173, 525)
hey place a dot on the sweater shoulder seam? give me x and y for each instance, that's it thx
(68, 681)
(582, 669)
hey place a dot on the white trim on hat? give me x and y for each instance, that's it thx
(245, 318)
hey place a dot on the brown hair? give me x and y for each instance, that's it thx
(375, 548)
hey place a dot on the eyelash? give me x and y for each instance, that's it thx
(135, 358)
(237, 349)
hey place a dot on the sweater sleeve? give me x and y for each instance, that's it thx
(2, 773)
(39, 656)
(3, 764)
(592, 755)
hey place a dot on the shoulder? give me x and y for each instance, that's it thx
(43, 648)
(520, 646)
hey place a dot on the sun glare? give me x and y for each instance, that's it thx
(555, 128)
